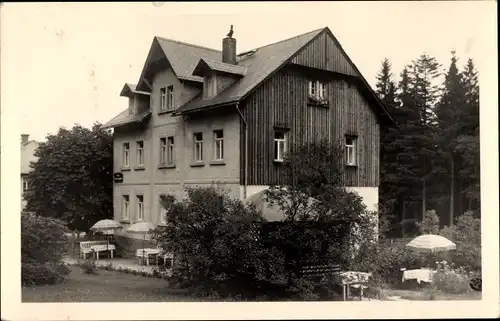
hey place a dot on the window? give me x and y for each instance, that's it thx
(167, 98)
(25, 185)
(167, 153)
(126, 207)
(312, 88)
(140, 207)
(210, 86)
(198, 147)
(350, 150)
(170, 97)
(163, 150)
(140, 153)
(163, 212)
(219, 144)
(317, 89)
(279, 145)
(126, 154)
(163, 98)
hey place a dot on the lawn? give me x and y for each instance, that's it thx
(424, 295)
(106, 286)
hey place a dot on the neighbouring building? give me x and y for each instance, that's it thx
(28, 148)
(199, 115)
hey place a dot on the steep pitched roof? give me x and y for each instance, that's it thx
(131, 89)
(261, 64)
(206, 64)
(184, 57)
(124, 118)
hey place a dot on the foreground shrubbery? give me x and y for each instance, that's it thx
(43, 243)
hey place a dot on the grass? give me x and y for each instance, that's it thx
(106, 286)
(425, 294)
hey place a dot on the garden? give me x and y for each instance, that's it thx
(226, 249)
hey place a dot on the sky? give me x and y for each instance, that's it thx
(66, 63)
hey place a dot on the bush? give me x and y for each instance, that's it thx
(215, 240)
(34, 273)
(451, 280)
(43, 243)
(466, 234)
(89, 266)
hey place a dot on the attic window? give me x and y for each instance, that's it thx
(209, 86)
(247, 54)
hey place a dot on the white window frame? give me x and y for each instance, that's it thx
(350, 150)
(279, 153)
(162, 215)
(312, 88)
(170, 97)
(163, 150)
(218, 145)
(317, 89)
(126, 154)
(125, 207)
(170, 150)
(25, 185)
(163, 98)
(198, 147)
(140, 153)
(140, 207)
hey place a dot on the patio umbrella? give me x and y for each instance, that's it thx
(272, 212)
(141, 227)
(430, 244)
(106, 227)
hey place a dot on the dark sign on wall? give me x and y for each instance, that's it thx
(118, 177)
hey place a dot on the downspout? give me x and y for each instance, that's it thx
(245, 180)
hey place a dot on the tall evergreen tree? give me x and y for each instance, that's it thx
(425, 93)
(449, 114)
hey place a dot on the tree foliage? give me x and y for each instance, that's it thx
(72, 179)
(430, 159)
(42, 246)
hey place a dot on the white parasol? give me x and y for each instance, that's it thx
(430, 243)
(106, 227)
(141, 227)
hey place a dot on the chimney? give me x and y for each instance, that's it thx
(229, 48)
(24, 138)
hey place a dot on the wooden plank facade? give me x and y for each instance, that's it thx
(282, 102)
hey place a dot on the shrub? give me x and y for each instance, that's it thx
(89, 266)
(215, 240)
(43, 243)
(34, 273)
(450, 280)
(466, 234)
(429, 224)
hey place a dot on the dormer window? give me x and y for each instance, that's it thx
(209, 86)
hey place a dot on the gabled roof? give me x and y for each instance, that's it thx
(260, 65)
(205, 65)
(131, 89)
(124, 118)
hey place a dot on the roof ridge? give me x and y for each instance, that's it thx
(297, 36)
(187, 44)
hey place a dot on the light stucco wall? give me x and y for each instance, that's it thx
(154, 180)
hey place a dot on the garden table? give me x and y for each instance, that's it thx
(421, 275)
(146, 253)
(102, 248)
(353, 279)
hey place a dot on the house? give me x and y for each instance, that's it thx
(28, 148)
(199, 115)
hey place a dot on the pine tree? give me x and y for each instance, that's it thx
(450, 112)
(425, 94)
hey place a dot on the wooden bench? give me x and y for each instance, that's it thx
(86, 247)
